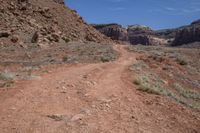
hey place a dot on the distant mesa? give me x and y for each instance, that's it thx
(140, 34)
(114, 31)
(134, 34)
(188, 34)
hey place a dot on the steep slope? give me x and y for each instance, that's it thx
(45, 20)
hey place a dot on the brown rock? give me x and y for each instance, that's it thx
(4, 34)
(15, 38)
(55, 37)
(35, 37)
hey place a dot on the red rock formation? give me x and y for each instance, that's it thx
(188, 34)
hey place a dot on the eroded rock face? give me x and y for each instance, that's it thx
(140, 35)
(114, 31)
(189, 34)
(134, 34)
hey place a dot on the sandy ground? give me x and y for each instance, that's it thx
(91, 98)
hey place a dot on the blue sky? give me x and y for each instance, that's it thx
(158, 14)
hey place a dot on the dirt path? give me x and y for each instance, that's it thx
(92, 98)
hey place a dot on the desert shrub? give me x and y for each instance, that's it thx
(181, 61)
(66, 39)
(65, 58)
(6, 84)
(7, 75)
(186, 93)
(105, 58)
(146, 85)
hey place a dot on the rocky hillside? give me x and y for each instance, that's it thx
(43, 21)
(38, 33)
(134, 34)
(188, 34)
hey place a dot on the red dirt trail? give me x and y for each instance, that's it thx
(91, 98)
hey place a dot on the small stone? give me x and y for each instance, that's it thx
(55, 37)
(77, 117)
(35, 37)
(13, 108)
(15, 38)
(71, 85)
(56, 117)
(4, 34)
(93, 83)
(103, 100)
(64, 92)
(93, 106)
(64, 88)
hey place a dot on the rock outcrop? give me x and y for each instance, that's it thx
(134, 34)
(114, 31)
(188, 34)
(144, 35)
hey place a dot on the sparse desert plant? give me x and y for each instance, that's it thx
(7, 75)
(146, 85)
(151, 84)
(6, 84)
(105, 58)
(186, 93)
(66, 39)
(138, 66)
(181, 61)
(65, 58)
(137, 82)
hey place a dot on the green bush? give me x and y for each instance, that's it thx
(65, 58)
(105, 58)
(7, 75)
(186, 93)
(148, 86)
